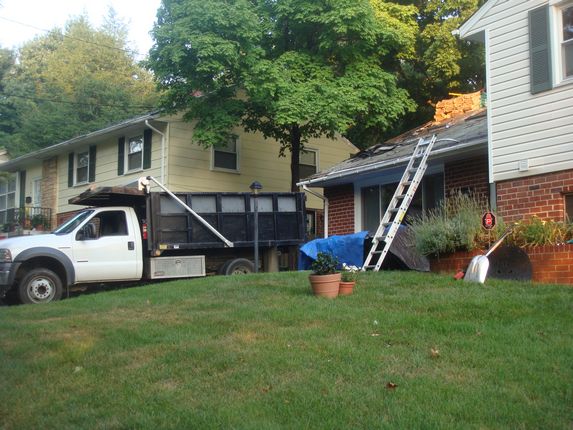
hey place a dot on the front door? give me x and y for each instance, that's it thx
(104, 249)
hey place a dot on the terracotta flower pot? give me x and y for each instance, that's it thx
(325, 285)
(346, 288)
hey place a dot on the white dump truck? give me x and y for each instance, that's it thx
(133, 233)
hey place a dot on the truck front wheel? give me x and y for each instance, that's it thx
(40, 286)
(238, 266)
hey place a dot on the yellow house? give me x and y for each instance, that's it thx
(40, 183)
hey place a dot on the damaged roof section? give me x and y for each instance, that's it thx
(462, 132)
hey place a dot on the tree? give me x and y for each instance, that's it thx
(74, 81)
(8, 117)
(291, 69)
(443, 62)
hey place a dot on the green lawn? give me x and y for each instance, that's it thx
(260, 352)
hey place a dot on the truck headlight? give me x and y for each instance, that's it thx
(5, 255)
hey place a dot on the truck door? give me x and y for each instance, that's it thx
(104, 249)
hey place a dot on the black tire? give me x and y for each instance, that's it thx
(40, 286)
(239, 266)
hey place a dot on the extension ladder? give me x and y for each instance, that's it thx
(399, 204)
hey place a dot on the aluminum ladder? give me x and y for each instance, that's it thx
(399, 204)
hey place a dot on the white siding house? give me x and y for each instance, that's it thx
(529, 74)
(530, 97)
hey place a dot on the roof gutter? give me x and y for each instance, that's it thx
(162, 149)
(375, 166)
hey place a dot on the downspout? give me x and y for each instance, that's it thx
(325, 200)
(162, 149)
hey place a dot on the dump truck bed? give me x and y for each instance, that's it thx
(281, 217)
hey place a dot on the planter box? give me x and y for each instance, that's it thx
(551, 264)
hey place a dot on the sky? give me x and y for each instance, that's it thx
(34, 15)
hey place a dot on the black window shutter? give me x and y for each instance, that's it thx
(120, 155)
(22, 188)
(541, 73)
(71, 169)
(147, 149)
(92, 165)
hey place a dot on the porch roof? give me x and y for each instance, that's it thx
(457, 135)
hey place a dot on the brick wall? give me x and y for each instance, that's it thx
(541, 195)
(340, 209)
(50, 187)
(468, 175)
(550, 264)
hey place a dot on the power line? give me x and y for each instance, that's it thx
(133, 52)
(39, 99)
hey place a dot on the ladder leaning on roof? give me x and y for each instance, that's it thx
(399, 204)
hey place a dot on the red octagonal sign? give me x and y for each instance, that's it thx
(488, 220)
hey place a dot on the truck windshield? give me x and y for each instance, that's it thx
(73, 222)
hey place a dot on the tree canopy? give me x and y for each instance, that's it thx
(443, 62)
(69, 82)
(291, 69)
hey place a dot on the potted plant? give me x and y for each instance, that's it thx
(39, 222)
(325, 279)
(348, 279)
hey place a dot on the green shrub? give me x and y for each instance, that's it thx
(325, 264)
(455, 225)
(537, 232)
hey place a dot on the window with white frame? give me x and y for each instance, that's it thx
(7, 197)
(134, 151)
(226, 156)
(82, 167)
(308, 163)
(566, 40)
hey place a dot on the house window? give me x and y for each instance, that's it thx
(82, 167)
(569, 207)
(308, 163)
(134, 151)
(226, 156)
(375, 200)
(7, 197)
(566, 40)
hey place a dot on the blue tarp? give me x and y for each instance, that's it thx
(347, 249)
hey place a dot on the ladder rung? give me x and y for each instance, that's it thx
(407, 183)
(370, 266)
(393, 210)
(381, 238)
(401, 196)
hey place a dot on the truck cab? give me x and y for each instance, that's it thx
(96, 245)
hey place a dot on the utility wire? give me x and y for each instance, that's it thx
(133, 52)
(39, 99)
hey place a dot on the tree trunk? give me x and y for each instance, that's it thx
(295, 157)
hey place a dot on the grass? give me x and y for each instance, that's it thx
(258, 351)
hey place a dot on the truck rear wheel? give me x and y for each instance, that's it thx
(40, 286)
(238, 266)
